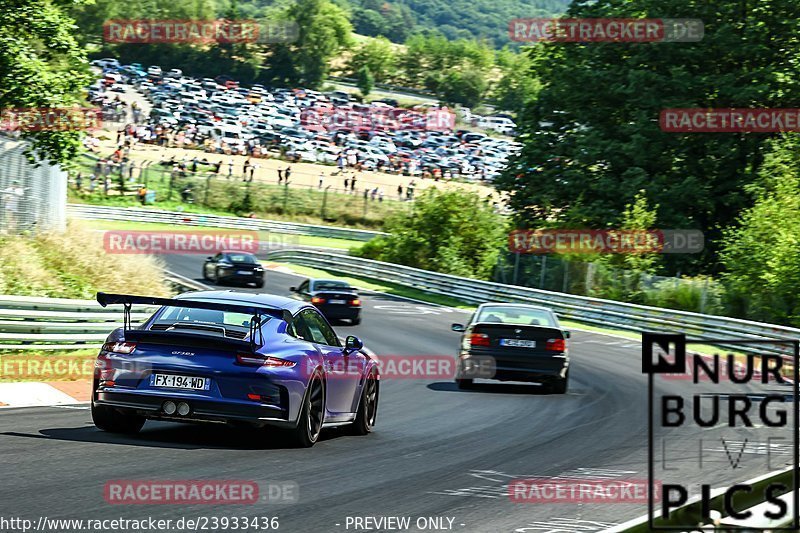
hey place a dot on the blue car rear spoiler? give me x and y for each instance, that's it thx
(127, 300)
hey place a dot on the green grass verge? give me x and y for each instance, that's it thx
(379, 286)
(302, 240)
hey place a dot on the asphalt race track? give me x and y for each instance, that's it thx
(436, 451)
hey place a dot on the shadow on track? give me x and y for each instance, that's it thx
(177, 436)
(496, 388)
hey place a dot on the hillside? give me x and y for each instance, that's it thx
(396, 20)
(484, 19)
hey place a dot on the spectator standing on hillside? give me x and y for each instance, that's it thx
(230, 168)
(346, 184)
(253, 171)
(321, 179)
(280, 176)
(287, 172)
(245, 168)
(399, 192)
(353, 183)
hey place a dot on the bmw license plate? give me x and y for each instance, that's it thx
(244, 272)
(518, 343)
(338, 302)
(179, 382)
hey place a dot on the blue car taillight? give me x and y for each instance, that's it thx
(124, 348)
(259, 360)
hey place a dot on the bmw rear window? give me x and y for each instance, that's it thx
(323, 285)
(516, 315)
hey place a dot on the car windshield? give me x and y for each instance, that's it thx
(323, 285)
(242, 259)
(523, 316)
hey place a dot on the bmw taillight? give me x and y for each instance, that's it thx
(269, 361)
(355, 302)
(556, 345)
(317, 300)
(479, 339)
(120, 347)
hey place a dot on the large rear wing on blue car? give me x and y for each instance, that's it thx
(257, 312)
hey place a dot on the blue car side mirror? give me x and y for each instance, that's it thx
(352, 344)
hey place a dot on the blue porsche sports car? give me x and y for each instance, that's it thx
(240, 358)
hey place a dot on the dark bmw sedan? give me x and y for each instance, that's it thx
(234, 267)
(514, 342)
(334, 298)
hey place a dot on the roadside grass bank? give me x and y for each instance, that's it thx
(74, 264)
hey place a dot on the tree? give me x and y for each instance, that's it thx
(760, 253)
(377, 55)
(365, 81)
(592, 137)
(518, 86)
(42, 66)
(452, 231)
(324, 30)
(464, 87)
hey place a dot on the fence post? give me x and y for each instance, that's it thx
(285, 196)
(516, 267)
(324, 201)
(589, 278)
(543, 272)
(208, 186)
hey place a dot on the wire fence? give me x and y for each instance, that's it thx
(33, 197)
(125, 183)
(599, 280)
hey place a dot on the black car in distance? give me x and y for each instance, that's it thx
(229, 267)
(513, 342)
(334, 298)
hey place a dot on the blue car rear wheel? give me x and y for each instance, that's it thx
(309, 426)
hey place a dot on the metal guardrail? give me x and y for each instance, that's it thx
(607, 313)
(61, 323)
(136, 214)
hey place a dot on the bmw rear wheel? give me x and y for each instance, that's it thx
(560, 385)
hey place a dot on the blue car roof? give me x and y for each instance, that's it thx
(247, 298)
